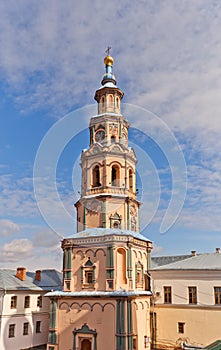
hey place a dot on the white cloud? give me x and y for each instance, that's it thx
(157, 249)
(8, 228)
(16, 250)
(166, 60)
(26, 252)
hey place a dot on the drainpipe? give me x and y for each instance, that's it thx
(2, 304)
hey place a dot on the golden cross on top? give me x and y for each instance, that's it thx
(108, 50)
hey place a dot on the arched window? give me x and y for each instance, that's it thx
(121, 266)
(102, 104)
(117, 102)
(115, 175)
(131, 180)
(110, 99)
(139, 274)
(96, 177)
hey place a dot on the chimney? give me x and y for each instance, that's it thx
(21, 273)
(193, 252)
(217, 250)
(38, 275)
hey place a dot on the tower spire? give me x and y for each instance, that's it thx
(108, 75)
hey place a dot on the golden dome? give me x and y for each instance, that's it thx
(108, 61)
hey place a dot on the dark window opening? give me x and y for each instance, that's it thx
(115, 175)
(39, 301)
(192, 295)
(25, 328)
(89, 277)
(38, 327)
(167, 295)
(27, 302)
(217, 295)
(14, 302)
(11, 331)
(96, 176)
(181, 327)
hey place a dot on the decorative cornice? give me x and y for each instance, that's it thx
(114, 294)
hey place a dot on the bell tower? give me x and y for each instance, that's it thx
(105, 300)
(108, 191)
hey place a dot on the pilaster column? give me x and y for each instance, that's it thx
(129, 325)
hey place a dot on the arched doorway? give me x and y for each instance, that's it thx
(84, 338)
(86, 344)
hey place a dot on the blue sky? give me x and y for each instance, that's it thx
(167, 62)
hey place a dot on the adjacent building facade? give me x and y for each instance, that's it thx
(105, 302)
(24, 312)
(186, 304)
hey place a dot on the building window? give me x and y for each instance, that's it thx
(121, 263)
(39, 301)
(217, 295)
(102, 103)
(192, 295)
(25, 328)
(27, 301)
(51, 347)
(115, 176)
(117, 102)
(88, 274)
(11, 331)
(14, 302)
(130, 180)
(88, 277)
(110, 100)
(38, 327)
(139, 278)
(181, 327)
(167, 295)
(110, 284)
(139, 274)
(96, 176)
